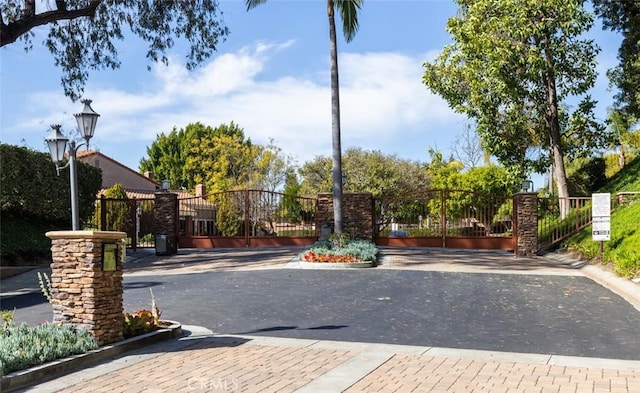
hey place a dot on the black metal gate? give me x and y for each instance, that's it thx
(133, 216)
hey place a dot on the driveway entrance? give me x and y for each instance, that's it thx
(485, 300)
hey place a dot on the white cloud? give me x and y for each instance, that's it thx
(383, 102)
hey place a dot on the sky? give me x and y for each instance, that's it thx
(270, 77)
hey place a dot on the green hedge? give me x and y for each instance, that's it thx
(23, 240)
(33, 199)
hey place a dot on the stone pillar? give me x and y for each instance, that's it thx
(526, 231)
(358, 213)
(83, 294)
(166, 221)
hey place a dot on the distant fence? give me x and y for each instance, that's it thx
(428, 218)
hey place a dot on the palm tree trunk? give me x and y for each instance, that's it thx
(335, 123)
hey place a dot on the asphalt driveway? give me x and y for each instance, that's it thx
(441, 298)
(551, 314)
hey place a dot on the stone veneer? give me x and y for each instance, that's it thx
(358, 213)
(526, 207)
(165, 219)
(82, 294)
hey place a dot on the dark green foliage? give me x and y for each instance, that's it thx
(627, 179)
(33, 199)
(24, 346)
(585, 176)
(184, 156)
(292, 209)
(30, 185)
(624, 16)
(23, 239)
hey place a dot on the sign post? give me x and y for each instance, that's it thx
(601, 218)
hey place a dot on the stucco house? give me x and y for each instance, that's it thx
(114, 172)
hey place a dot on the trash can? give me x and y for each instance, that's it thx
(162, 245)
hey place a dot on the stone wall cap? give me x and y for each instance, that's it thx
(106, 235)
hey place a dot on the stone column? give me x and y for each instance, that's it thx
(166, 221)
(358, 213)
(526, 231)
(83, 294)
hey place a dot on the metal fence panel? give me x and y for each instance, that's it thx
(552, 228)
(132, 216)
(444, 213)
(247, 213)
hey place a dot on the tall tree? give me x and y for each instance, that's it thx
(511, 67)
(272, 169)
(366, 171)
(625, 140)
(348, 10)
(222, 158)
(624, 16)
(167, 155)
(82, 33)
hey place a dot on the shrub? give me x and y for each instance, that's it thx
(33, 200)
(327, 251)
(25, 346)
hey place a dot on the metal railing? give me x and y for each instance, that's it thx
(250, 213)
(553, 228)
(444, 213)
(132, 216)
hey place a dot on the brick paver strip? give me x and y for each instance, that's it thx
(211, 366)
(408, 373)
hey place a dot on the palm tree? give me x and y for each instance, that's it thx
(348, 10)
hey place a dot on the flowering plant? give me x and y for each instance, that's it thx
(311, 256)
(139, 322)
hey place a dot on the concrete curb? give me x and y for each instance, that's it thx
(624, 288)
(57, 368)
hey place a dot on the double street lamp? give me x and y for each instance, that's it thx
(59, 145)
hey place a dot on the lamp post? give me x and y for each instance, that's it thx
(58, 145)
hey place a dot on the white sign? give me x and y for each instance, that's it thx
(601, 216)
